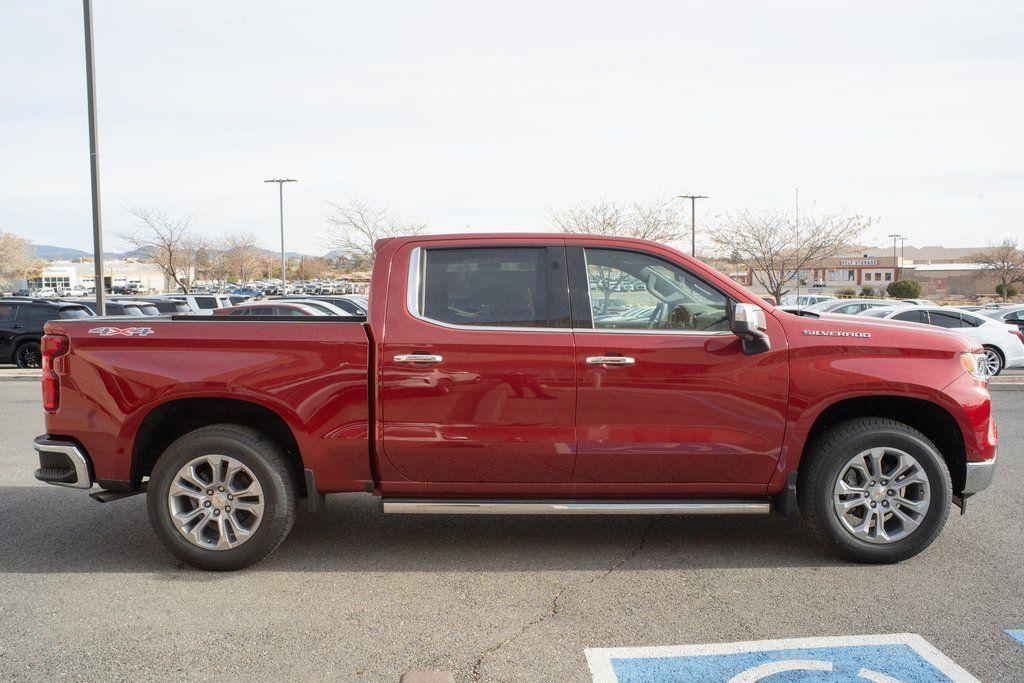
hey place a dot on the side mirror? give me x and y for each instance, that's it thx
(748, 322)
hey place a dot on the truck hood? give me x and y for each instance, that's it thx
(832, 328)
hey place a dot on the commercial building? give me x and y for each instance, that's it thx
(61, 275)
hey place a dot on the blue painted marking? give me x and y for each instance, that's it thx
(1016, 634)
(898, 661)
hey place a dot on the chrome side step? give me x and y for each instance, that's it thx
(440, 506)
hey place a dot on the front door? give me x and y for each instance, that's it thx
(478, 377)
(666, 394)
(8, 330)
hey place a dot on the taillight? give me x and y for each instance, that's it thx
(1018, 334)
(55, 347)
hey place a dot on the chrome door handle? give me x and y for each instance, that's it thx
(610, 360)
(417, 358)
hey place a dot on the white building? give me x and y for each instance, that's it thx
(61, 275)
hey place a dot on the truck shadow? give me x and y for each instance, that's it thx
(47, 530)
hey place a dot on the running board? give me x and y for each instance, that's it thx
(440, 506)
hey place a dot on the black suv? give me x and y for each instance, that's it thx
(21, 327)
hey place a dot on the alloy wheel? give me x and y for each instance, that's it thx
(215, 502)
(881, 495)
(993, 363)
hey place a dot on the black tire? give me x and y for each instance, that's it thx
(992, 351)
(28, 355)
(825, 461)
(263, 458)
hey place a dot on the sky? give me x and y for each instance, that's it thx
(475, 116)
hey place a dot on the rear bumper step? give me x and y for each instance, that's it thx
(575, 507)
(62, 463)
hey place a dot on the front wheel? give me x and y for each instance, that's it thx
(222, 497)
(874, 490)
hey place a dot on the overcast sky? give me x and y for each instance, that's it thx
(471, 116)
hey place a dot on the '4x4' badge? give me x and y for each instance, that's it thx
(122, 331)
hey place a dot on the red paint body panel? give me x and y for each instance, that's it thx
(515, 413)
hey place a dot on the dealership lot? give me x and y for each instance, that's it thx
(88, 592)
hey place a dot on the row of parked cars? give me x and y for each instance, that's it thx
(999, 328)
(22, 318)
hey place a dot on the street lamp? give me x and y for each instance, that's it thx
(693, 219)
(897, 263)
(280, 199)
(94, 164)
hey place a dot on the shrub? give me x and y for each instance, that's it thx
(849, 291)
(867, 290)
(1007, 292)
(904, 289)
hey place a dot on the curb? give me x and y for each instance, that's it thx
(20, 378)
(1006, 386)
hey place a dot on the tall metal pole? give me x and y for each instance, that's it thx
(896, 263)
(94, 165)
(280, 200)
(693, 219)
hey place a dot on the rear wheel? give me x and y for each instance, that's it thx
(993, 361)
(874, 490)
(222, 497)
(28, 355)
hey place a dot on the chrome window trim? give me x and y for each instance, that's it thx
(414, 302)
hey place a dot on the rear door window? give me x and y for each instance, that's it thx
(950, 321)
(494, 287)
(206, 302)
(74, 312)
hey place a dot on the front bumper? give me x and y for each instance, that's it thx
(62, 463)
(979, 476)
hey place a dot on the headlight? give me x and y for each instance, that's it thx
(975, 364)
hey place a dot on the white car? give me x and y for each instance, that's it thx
(918, 302)
(1004, 344)
(202, 304)
(805, 299)
(75, 291)
(46, 293)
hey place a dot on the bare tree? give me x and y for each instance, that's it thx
(777, 249)
(354, 225)
(657, 219)
(166, 241)
(17, 260)
(242, 254)
(1005, 262)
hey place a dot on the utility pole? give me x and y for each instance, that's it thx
(896, 263)
(94, 165)
(280, 200)
(693, 219)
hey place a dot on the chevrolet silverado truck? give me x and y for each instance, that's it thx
(489, 377)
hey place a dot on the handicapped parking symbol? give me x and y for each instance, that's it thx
(897, 658)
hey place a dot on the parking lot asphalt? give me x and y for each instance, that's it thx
(88, 593)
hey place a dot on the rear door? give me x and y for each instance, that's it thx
(478, 378)
(8, 329)
(669, 398)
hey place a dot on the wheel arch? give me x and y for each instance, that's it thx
(929, 418)
(170, 420)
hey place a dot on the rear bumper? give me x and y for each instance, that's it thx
(979, 476)
(62, 463)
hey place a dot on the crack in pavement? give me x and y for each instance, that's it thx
(553, 604)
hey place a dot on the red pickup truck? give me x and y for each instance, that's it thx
(523, 374)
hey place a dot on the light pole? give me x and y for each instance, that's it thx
(94, 164)
(280, 200)
(896, 262)
(693, 219)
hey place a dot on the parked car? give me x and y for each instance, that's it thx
(918, 302)
(167, 306)
(845, 306)
(1012, 315)
(1003, 344)
(271, 308)
(119, 307)
(202, 304)
(75, 291)
(246, 292)
(804, 300)
(481, 383)
(45, 293)
(352, 305)
(21, 327)
(322, 305)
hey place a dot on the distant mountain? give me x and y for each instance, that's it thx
(51, 253)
